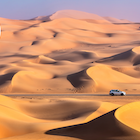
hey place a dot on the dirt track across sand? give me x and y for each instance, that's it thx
(100, 97)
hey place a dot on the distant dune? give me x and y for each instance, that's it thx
(38, 56)
(72, 14)
(81, 15)
(115, 20)
(75, 15)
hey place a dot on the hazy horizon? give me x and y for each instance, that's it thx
(124, 9)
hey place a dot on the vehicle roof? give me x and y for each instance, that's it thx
(114, 89)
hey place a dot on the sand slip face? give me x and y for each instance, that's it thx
(106, 78)
(19, 117)
(106, 126)
(67, 119)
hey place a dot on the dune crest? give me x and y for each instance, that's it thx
(136, 50)
(131, 56)
(72, 14)
(115, 20)
(60, 116)
(129, 115)
(41, 59)
(106, 78)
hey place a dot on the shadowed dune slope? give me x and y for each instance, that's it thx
(41, 59)
(104, 127)
(129, 57)
(19, 117)
(106, 78)
(79, 55)
(61, 109)
(132, 71)
(83, 120)
(80, 119)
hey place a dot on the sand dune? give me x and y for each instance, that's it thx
(5, 21)
(132, 71)
(131, 57)
(70, 118)
(20, 117)
(99, 128)
(69, 52)
(42, 55)
(96, 21)
(115, 20)
(74, 14)
(71, 14)
(41, 59)
(127, 113)
(106, 78)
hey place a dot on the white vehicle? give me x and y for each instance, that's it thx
(116, 92)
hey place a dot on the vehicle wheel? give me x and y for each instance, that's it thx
(122, 94)
(112, 94)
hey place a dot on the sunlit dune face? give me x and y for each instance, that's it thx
(71, 52)
(130, 115)
(136, 50)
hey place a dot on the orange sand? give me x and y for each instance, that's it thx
(67, 118)
(63, 54)
(69, 52)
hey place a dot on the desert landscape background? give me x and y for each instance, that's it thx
(69, 52)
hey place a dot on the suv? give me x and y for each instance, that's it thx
(116, 92)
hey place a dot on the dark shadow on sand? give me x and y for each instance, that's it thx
(105, 127)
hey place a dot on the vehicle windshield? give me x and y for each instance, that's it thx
(115, 90)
